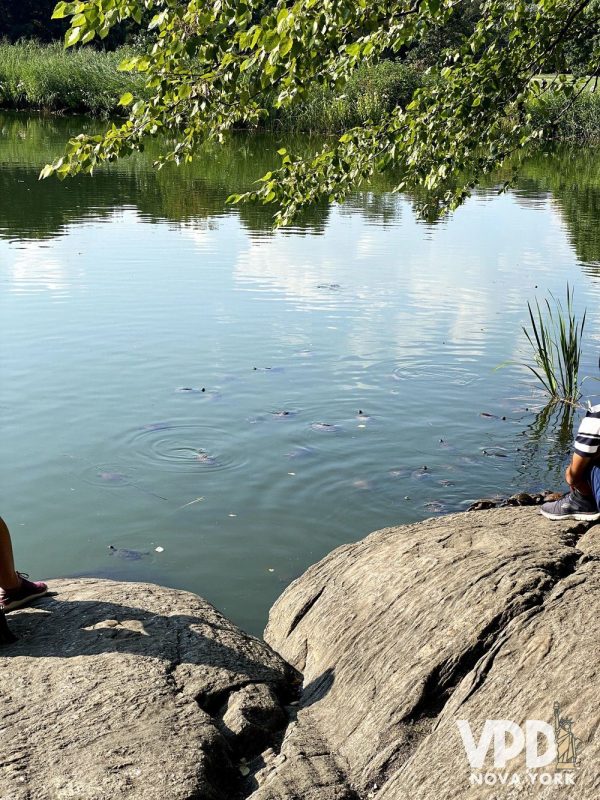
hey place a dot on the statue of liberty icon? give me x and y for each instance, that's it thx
(566, 741)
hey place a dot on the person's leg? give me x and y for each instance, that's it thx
(15, 589)
(595, 483)
(8, 577)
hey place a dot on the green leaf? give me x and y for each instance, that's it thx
(60, 12)
(126, 99)
(46, 172)
(72, 37)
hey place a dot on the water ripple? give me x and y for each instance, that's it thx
(185, 447)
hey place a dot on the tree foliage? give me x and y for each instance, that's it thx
(211, 66)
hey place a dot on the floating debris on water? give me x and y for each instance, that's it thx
(192, 502)
(159, 549)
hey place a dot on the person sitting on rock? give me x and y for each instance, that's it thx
(15, 589)
(582, 475)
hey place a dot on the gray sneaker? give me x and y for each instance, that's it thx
(572, 505)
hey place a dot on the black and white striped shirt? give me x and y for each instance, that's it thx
(587, 442)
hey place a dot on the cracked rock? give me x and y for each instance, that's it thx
(253, 716)
(489, 615)
(98, 697)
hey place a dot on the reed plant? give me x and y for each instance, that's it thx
(555, 337)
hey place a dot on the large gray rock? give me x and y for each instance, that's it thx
(133, 690)
(492, 615)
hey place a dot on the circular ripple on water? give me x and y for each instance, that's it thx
(414, 369)
(185, 447)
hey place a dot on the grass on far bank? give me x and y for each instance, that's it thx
(50, 78)
(369, 94)
(47, 77)
(578, 121)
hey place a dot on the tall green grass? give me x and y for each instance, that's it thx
(577, 121)
(555, 338)
(371, 91)
(48, 77)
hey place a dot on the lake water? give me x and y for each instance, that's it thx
(173, 374)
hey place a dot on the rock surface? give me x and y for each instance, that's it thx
(133, 690)
(137, 691)
(480, 616)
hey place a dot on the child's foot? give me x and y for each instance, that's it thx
(572, 505)
(23, 594)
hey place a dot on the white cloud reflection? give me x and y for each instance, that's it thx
(36, 268)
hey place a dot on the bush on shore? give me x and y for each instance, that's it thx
(48, 77)
(369, 93)
(578, 121)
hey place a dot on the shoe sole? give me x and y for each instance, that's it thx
(22, 602)
(579, 516)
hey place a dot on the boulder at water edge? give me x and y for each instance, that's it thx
(136, 691)
(493, 615)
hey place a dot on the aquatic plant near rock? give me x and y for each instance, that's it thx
(555, 338)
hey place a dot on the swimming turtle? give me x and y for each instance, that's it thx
(113, 477)
(120, 479)
(399, 472)
(495, 453)
(434, 506)
(301, 451)
(482, 505)
(324, 427)
(283, 414)
(204, 458)
(127, 553)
